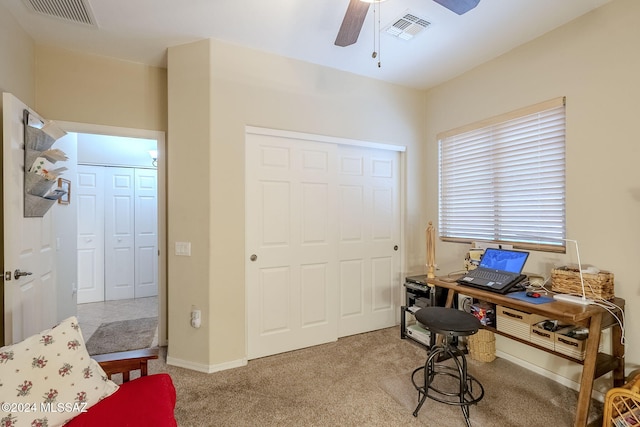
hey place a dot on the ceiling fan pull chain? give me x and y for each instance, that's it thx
(378, 32)
(374, 55)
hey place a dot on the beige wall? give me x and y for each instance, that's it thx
(17, 63)
(248, 87)
(189, 195)
(594, 62)
(98, 90)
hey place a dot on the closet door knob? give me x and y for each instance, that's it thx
(253, 257)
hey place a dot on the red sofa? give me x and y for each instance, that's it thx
(145, 401)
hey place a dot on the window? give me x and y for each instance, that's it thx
(503, 179)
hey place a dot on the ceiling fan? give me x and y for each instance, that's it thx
(357, 11)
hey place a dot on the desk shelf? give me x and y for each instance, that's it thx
(403, 328)
(417, 293)
(604, 363)
(413, 292)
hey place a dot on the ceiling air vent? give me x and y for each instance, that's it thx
(77, 11)
(407, 26)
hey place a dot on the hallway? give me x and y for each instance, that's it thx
(92, 315)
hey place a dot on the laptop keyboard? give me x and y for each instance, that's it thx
(492, 276)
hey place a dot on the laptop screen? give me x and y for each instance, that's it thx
(504, 260)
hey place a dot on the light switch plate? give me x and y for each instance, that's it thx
(183, 248)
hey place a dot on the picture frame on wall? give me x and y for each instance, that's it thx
(65, 185)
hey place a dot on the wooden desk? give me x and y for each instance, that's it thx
(593, 317)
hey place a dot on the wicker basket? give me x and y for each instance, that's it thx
(482, 346)
(622, 405)
(566, 280)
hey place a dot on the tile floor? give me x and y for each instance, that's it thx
(92, 315)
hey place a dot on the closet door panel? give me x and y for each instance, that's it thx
(119, 261)
(146, 233)
(90, 201)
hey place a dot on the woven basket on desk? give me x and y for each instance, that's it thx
(566, 280)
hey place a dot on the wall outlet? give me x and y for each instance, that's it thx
(196, 318)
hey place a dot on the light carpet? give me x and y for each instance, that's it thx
(361, 380)
(123, 335)
(514, 396)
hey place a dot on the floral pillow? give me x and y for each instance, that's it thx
(49, 378)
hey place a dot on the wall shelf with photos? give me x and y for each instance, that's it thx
(40, 176)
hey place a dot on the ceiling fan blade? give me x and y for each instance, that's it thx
(352, 23)
(458, 6)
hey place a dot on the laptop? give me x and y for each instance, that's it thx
(499, 270)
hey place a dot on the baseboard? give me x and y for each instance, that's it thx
(548, 374)
(207, 369)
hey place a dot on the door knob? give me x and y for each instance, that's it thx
(395, 248)
(253, 257)
(18, 274)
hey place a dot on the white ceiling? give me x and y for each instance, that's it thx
(141, 30)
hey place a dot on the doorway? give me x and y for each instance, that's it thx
(105, 149)
(117, 232)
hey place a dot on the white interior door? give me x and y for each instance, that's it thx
(29, 301)
(369, 238)
(291, 210)
(146, 233)
(119, 231)
(90, 198)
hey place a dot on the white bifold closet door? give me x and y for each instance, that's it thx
(90, 198)
(146, 233)
(119, 209)
(322, 235)
(119, 233)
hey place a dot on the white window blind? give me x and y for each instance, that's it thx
(503, 179)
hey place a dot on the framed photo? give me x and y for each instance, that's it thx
(65, 184)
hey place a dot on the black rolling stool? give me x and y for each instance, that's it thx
(449, 323)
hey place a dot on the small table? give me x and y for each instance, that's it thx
(591, 316)
(124, 362)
